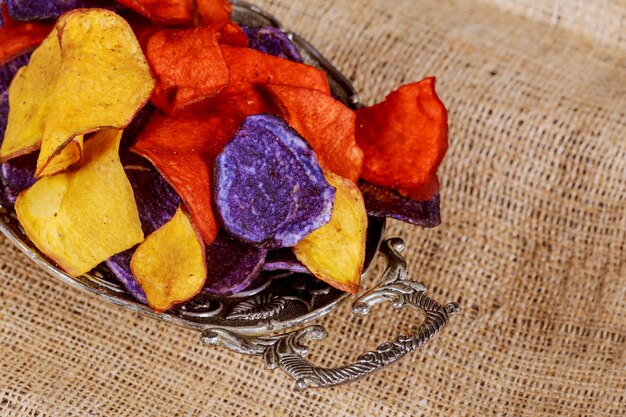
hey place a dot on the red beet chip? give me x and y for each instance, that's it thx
(209, 11)
(17, 38)
(327, 124)
(170, 12)
(188, 65)
(181, 12)
(250, 68)
(404, 139)
(231, 34)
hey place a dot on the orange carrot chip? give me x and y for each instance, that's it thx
(404, 139)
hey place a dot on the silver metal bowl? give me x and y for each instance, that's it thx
(251, 322)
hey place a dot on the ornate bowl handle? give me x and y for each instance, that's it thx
(289, 350)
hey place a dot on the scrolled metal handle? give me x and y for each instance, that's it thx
(288, 351)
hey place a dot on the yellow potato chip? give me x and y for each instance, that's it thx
(170, 265)
(81, 218)
(335, 252)
(67, 157)
(88, 74)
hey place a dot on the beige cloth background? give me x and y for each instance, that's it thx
(533, 241)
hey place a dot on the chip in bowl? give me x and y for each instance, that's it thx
(89, 74)
(335, 252)
(81, 218)
(269, 188)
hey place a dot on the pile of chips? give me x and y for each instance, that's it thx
(190, 154)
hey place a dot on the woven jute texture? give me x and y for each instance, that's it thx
(532, 245)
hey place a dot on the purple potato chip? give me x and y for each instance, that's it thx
(120, 266)
(3, 199)
(156, 202)
(384, 202)
(284, 260)
(9, 69)
(232, 266)
(269, 188)
(272, 41)
(1, 14)
(4, 114)
(26, 10)
(16, 175)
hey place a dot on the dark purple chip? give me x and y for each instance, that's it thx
(269, 188)
(120, 266)
(284, 260)
(232, 266)
(1, 14)
(156, 202)
(26, 10)
(16, 175)
(3, 199)
(272, 41)
(136, 126)
(4, 114)
(8, 70)
(384, 202)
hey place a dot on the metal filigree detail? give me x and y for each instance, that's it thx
(201, 308)
(289, 351)
(267, 306)
(270, 347)
(262, 306)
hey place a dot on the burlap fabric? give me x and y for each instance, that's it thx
(533, 241)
